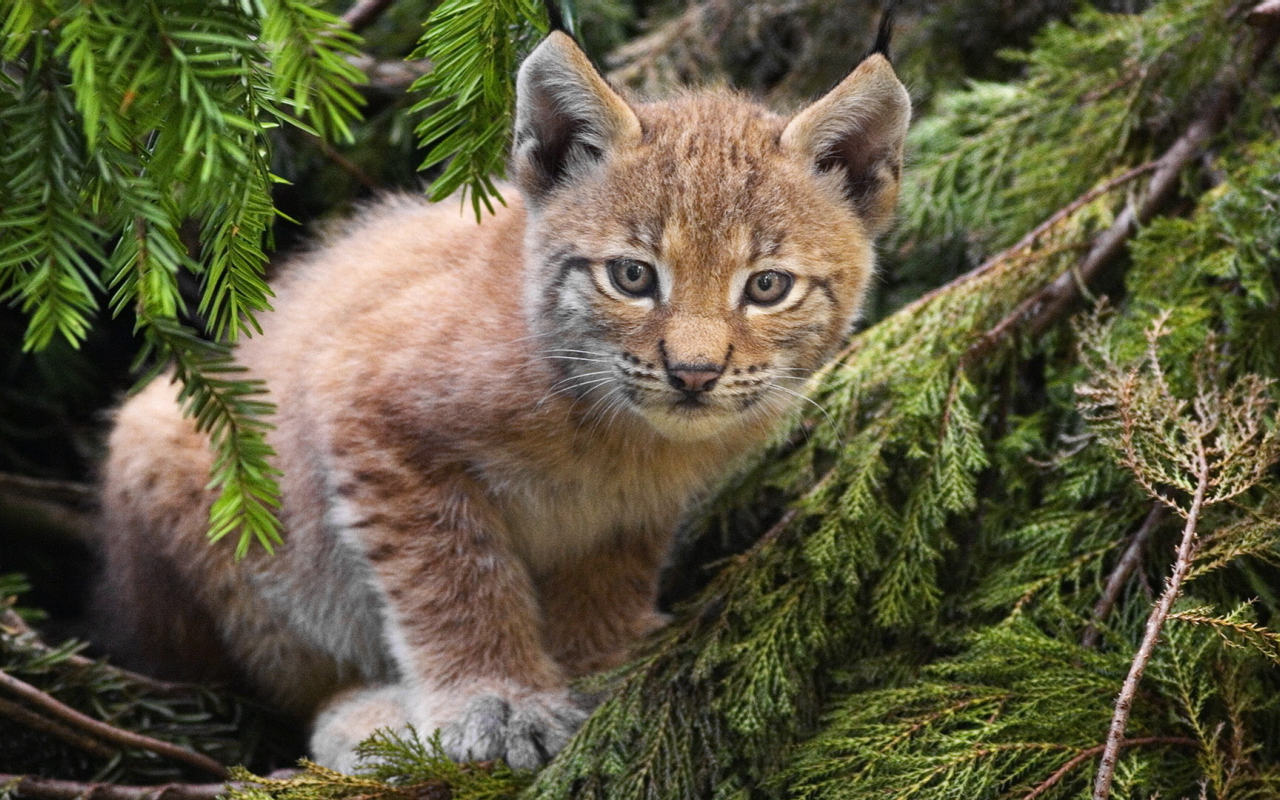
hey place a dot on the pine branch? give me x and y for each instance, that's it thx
(228, 407)
(474, 47)
(310, 49)
(107, 732)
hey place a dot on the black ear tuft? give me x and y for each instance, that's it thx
(856, 133)
(555, 17)
(884, 32)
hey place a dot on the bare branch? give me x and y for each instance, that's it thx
(50, 789)
(364, 13)
(64, 505)
(30, 719)
(1088, 753)
(107, 732)
(392, 75)
(1265, 14)
(1124, 568)
(343, 163)
(1155, 621)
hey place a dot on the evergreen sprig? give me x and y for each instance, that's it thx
(399, 766)
(228, 408)
(474, 47)
(120, 123)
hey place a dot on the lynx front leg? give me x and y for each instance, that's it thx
(600, 605)
(461, 622)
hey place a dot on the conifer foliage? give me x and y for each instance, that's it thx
(123, 122)
(1023, 543)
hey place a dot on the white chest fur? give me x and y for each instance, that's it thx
(556, 516)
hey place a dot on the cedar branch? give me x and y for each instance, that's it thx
(108, 732)
(1030, 240)
(1045, 307)
(1085, 755)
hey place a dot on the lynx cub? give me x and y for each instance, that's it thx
(488, 433)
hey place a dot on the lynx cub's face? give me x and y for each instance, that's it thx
(692, 261)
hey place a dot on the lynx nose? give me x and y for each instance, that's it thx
(693, 377)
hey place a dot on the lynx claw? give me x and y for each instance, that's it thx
(526, 732)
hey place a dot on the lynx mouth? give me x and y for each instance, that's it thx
(691, 402)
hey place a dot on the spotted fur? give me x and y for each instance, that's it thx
(485, 442)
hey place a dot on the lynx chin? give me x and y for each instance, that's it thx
(488, 433)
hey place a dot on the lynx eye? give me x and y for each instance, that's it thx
(632, 277)
(769, 287)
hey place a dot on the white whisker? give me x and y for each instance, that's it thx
(580, 358)
(831, 420)
(555, 390)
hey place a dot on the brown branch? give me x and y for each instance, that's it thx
(1029, 241)
(1124, 568)
(364, 13)
(392, 75)
(30, 719)
(14, 625)
(343, 163)
(108, 732)
(1043, 308)
(51, 789)
(1155, 621)
(1265, 14)
(1085, 755)
(63, 505)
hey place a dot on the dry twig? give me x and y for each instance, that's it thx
(108, 732)
(1187, 454)
(51, 789)
(1124, 568)
(13, 625)
(1085, 755)
(364, 13)
(30, 719)
(1124, 703)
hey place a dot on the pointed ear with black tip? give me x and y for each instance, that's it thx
(857, 130)
(567, 118)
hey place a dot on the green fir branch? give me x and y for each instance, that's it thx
(474, 47)
(309, 48)
(228, 408)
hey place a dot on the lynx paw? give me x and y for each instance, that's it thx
(351, 717)
(525, 732)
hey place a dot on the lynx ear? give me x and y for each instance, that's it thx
(858, 128)
(567, 117)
